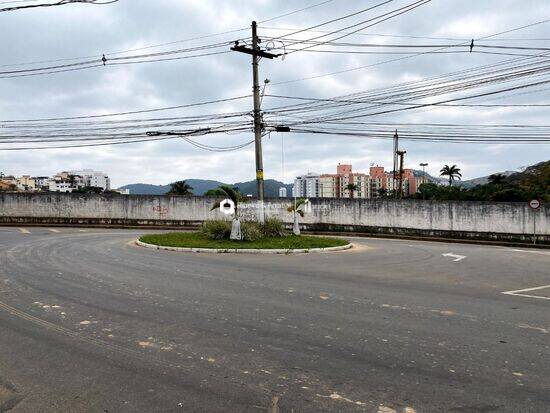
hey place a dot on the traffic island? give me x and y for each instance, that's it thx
(198, 242)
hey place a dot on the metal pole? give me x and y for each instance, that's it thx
(534, 228)
(257, 122)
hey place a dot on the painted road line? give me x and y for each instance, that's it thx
(456, 257)
(24, 231)
(533, 252)
(54, 230)
(519, 293)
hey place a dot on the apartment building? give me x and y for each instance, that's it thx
(372, 185)
(306, 186)
(336, 185)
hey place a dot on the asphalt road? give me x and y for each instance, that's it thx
(91, 323)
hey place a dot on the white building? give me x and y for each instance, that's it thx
(61, 186)
(94, 178)
(306, 186)
(282, 192)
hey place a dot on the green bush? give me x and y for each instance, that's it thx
(273, 227)
(217, 229)
(251, 231)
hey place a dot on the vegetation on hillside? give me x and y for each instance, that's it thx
(532, 183)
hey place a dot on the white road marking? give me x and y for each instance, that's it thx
(54, 230)
(457, 257)
(24, 231)
(519, 293)
(533, 252)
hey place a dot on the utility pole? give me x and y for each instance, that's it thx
(256, 53)
(395, 150)
(401, 155)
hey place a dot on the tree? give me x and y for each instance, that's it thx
(382, 192)
(235, 196)
(215, 192)
(88, 190)
(351, 188)
(453, 172)
(180, 188)
(497, 179)
(428, 190)
(298, 209)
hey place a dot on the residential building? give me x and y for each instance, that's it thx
(6, 185)
(122, 191)
(60, 186)
(41, 182)
(335, 185)
(282, 192)
(94, 178)
(25, 183)
(306, 186)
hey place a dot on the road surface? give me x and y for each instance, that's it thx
(91, 322)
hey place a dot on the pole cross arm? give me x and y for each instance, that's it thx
(261, 53)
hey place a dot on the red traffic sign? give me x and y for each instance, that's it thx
(534, 204)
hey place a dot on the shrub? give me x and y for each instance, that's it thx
(251, 231)
(216, 229)
(273, 227)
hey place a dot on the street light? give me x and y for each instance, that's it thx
(423, 165)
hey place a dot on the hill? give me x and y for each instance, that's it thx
(483, 180)
(200, 186)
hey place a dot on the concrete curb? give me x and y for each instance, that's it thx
(244, 251)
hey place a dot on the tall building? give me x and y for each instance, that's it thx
(306, 186)
(282, 192)
(336, 185)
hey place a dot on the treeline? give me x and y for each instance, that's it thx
(532, 183)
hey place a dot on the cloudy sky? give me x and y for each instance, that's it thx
(80, 30)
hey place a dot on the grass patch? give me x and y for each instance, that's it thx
(198, 240)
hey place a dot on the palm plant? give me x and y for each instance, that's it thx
(298, 209)
(351, 187)
(235, 197)
(180, 188)
(497, 179)
(453, 172)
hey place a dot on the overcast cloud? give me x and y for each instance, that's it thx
(84, 30)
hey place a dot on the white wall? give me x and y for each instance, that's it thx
(486, 217)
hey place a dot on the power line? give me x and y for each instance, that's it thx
(59, 3)
(402, 58)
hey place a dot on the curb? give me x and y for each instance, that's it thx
(515, 244)
(243, 250)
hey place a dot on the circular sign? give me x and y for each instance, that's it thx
(534, 204)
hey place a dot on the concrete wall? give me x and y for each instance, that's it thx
(487, 220)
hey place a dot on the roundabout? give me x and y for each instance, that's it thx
(196, 242)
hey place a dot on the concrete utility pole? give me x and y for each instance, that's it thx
(256, 53)
(401, 155)
(257, 117)
(395, 149)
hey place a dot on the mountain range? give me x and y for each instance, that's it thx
(200, 186)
